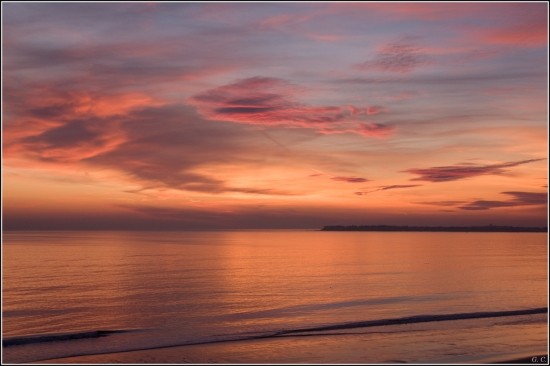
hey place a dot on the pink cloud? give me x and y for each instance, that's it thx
(514, 24)
(274, 102)
(51, 124)
(370, 110)
(375, 109)
(520, 35)
(375, 130)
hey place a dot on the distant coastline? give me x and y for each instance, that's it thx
(460, 229)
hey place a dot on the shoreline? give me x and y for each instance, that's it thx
(458, 341)
(522, 358)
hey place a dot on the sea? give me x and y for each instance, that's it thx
(447, 297)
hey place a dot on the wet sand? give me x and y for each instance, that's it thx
(463, 341)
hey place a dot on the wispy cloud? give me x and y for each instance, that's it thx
(339, 178)
(386, 188)
(159, 146)
(264, 101)
(397, 57)
(375, 129)
(443, 203)
(350, 179)
(463, 171)
(270, 101)
(519, 199)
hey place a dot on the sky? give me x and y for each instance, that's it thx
(274, 115)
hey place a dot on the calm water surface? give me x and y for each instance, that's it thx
(187, 287)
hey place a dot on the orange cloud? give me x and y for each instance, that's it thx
(69, 126)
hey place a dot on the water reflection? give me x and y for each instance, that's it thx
(204, 283)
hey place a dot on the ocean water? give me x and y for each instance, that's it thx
(78, 293)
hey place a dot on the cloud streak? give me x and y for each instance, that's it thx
(350, 179)
(449, 203)
(386, 188)
(519, 199)
(268, 101)
(463, 171)
(397, 57)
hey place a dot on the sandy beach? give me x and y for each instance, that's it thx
(440, 342)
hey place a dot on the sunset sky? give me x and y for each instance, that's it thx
(274, 115)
